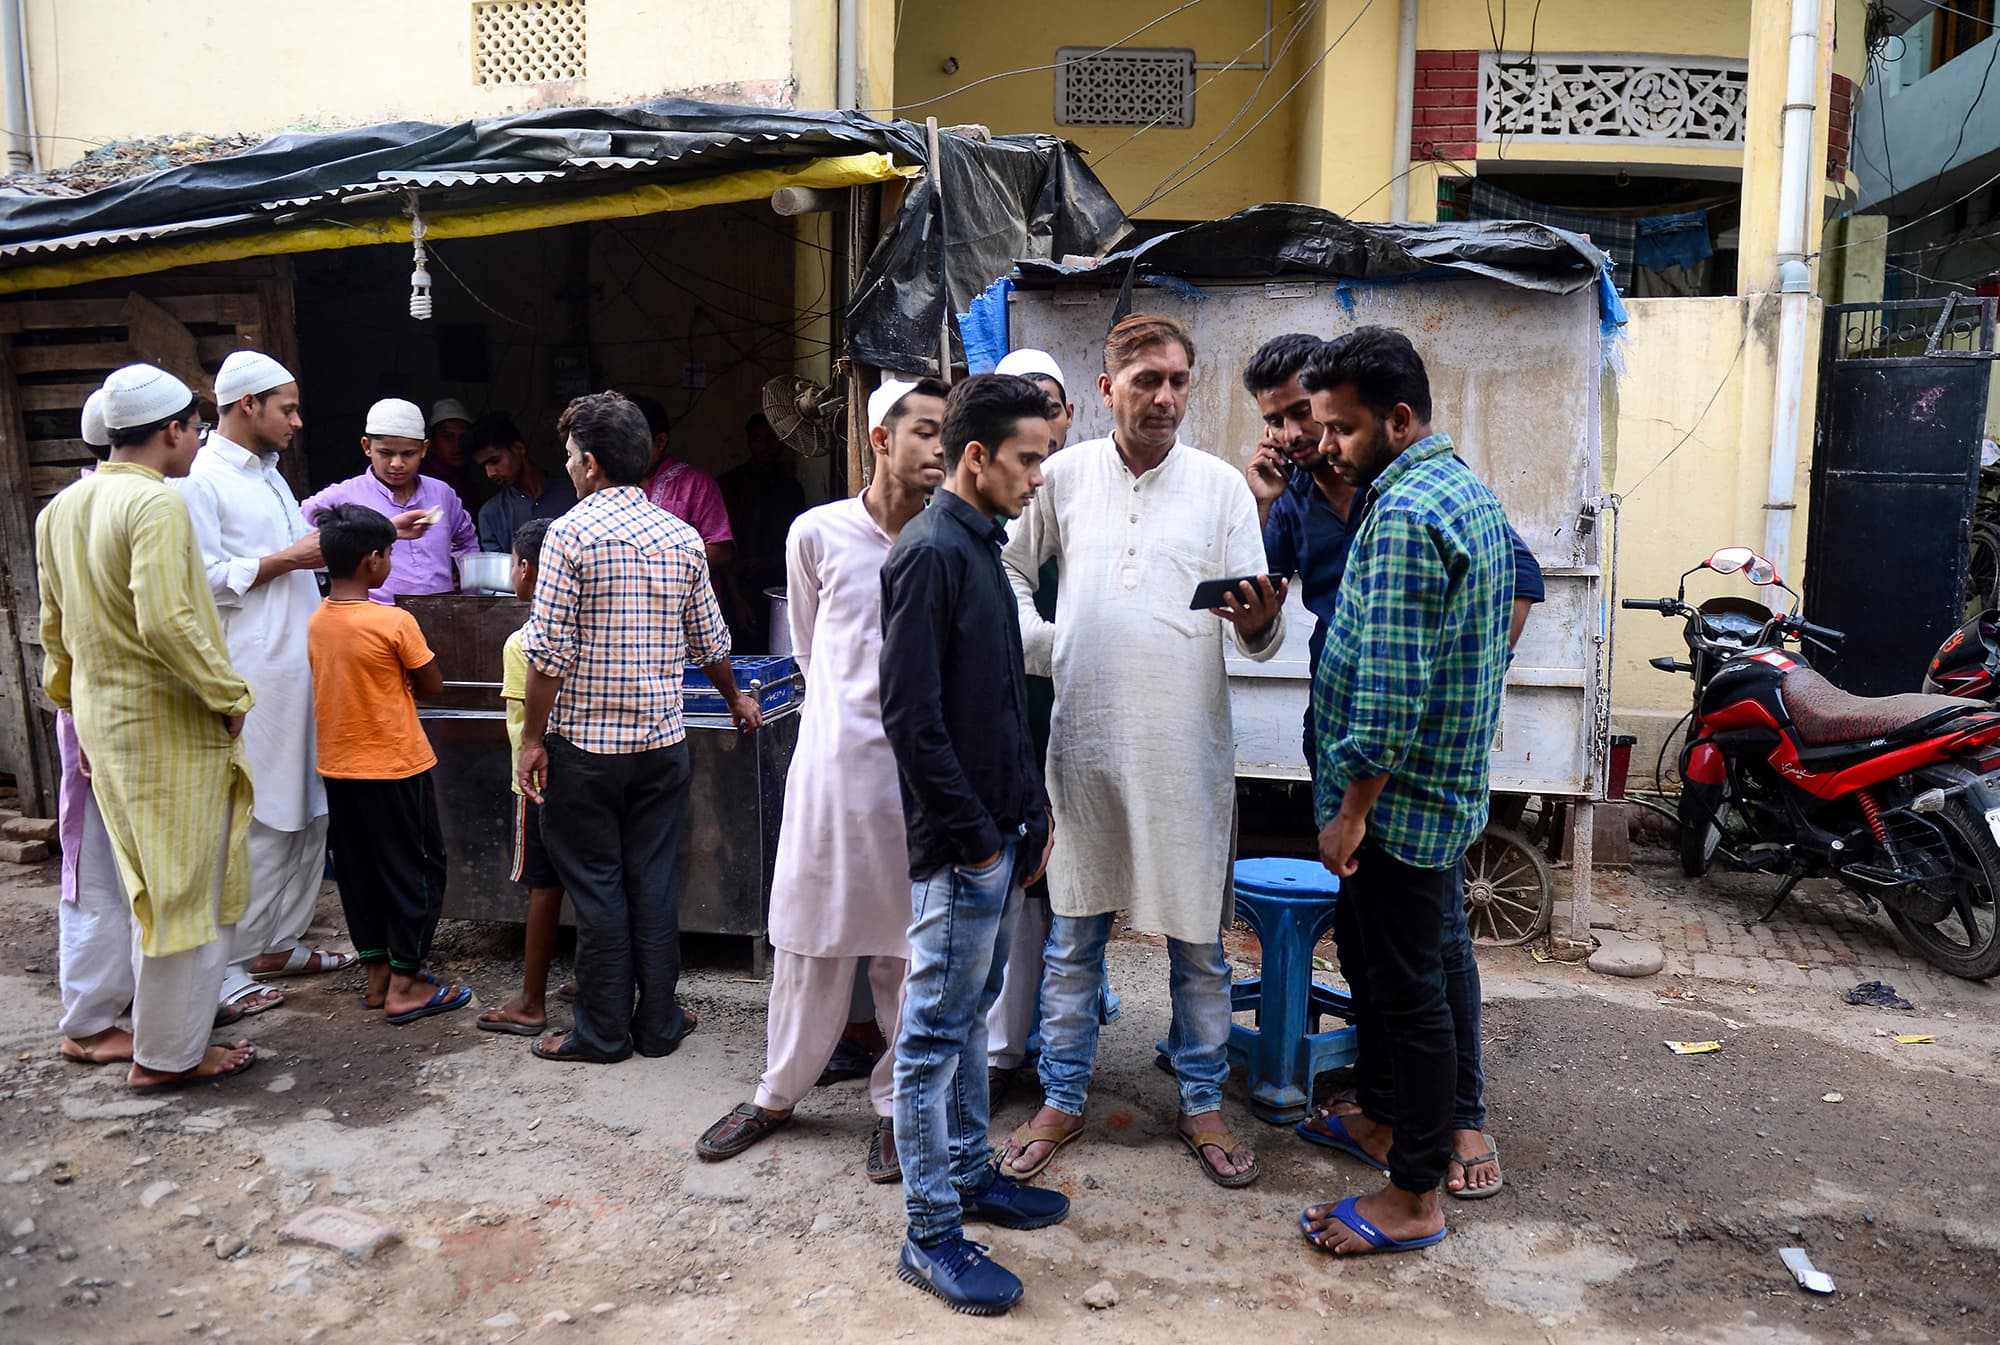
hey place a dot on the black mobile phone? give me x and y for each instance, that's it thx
(1212, 592)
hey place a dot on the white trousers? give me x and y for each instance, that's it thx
(94, 945)
(809, 1008)
(286, 868)
(174, 997)
(1011, 1021)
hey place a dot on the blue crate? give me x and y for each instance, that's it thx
(774, 672)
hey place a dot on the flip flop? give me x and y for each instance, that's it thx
(1029, 1133)
(298, 962)
(424, 976)
(237, 1001)
(190, 1080)
(508, 1025)
(1339, 1140)
(225, 1014)
(1223, 1140)
(1377, 1240)
(441, 1001)
(568, 1054)
(1465, 1166)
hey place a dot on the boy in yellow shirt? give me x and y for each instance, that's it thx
(526, 1015)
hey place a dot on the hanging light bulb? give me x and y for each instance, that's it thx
(420, 276)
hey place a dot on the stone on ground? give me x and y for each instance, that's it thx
(1622, 955)
(1103, 1294)
(352, 1233)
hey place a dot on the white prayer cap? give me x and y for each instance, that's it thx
(246, 373)
(396, 417)
(140, 394)
(1028, 361)
(883, 400)
(95, 432)
(450, 408)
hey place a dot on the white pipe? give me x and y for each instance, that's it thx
(846, 54)
(1406, 97)
(1798, 189)
(23, 149)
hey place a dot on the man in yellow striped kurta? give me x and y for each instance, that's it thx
(135, 653)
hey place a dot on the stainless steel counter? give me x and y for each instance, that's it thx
(730, 844)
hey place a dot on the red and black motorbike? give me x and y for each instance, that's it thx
(1782, 772)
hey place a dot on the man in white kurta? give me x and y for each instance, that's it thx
(840, 892)
(260, 555)
(1141, 767)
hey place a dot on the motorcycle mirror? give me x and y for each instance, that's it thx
(1730, 559)
(1762, 572)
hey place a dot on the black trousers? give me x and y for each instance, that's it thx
(612, 826)
(1390, 928)
(389, 861)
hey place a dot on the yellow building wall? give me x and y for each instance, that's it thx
(119, 69)
(987, 40)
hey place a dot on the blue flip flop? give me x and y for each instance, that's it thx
(439, 1002)
(1339, 1140)
(1377, 1240)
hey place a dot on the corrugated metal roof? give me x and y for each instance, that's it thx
(103, 237)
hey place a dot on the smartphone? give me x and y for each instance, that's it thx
(1213, 592)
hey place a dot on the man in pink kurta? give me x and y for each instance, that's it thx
(841, 889)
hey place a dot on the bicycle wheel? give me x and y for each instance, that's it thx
(1982, 571)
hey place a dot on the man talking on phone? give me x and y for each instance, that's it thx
(1142, 754)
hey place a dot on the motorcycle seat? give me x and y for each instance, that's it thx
(1823, 714)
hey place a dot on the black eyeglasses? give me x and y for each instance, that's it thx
(202, 429)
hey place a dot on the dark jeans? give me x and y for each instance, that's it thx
(1390, 926)
(391, 865)
(612, 826)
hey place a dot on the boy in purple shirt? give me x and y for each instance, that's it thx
(432, 527)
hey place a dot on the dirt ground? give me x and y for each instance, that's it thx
(1647, 1194)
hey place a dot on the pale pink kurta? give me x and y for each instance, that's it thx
(842, 886)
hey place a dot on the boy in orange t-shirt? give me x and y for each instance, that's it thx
(381, 803)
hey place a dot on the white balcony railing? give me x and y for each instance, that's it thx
(1588, 98)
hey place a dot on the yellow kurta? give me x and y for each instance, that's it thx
(135, 653)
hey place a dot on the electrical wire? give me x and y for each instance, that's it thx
(1425, 162)
(1964, 121)
(1257, 92)
(1162, 191)
(1836, 247)
(1707, 406)
(1036, 69)
(438, 257)
(1227, 68)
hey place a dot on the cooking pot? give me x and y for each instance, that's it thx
(486, 572)
(780, 638)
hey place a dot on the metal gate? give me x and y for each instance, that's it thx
(1902, 408)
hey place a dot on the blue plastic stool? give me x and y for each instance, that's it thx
(1289, 903)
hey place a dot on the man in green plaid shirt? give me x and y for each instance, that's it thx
(1406, 702)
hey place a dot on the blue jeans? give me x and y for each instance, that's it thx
(958, 938)
(1073, 980)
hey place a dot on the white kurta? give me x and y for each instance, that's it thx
(1142, 754)
(242, 511)
(842, 885)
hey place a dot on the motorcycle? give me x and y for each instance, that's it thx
(1968, 662)
(1898, 797)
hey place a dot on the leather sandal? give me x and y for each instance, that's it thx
(884, 1165)
(737, 1131)
(1054, 1136)
(1219, 1139)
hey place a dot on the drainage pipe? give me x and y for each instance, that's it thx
(1798, 190)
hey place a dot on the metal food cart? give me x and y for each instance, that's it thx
(730, 841)
(1515, 377)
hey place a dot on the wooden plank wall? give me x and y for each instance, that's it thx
(55, 349)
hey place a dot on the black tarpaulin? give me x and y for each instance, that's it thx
(1012, 197)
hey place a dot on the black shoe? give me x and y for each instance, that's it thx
(848, 1061)
(1008, 1204)
(960, 1273)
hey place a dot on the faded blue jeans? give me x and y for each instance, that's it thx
(1073, 979)
(958, 940)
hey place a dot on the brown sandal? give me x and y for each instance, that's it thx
(1053, 1136)
(737, 1131)
(883, 1164)
(1218, 1139)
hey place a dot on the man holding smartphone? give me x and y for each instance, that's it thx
(1142, 754)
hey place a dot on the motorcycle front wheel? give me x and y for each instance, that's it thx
(1701, 825)
(1966, 942)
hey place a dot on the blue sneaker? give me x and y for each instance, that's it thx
(1009, 1204)
(960, 1273)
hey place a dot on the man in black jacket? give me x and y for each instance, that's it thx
(955, 708)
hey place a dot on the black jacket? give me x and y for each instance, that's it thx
(954, 692)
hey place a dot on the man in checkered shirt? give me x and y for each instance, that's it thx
(623, 604)
(1405, 705)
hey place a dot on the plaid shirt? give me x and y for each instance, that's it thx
(1410, 683)
(622, 606)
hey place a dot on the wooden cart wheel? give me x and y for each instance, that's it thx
(1509, 891)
